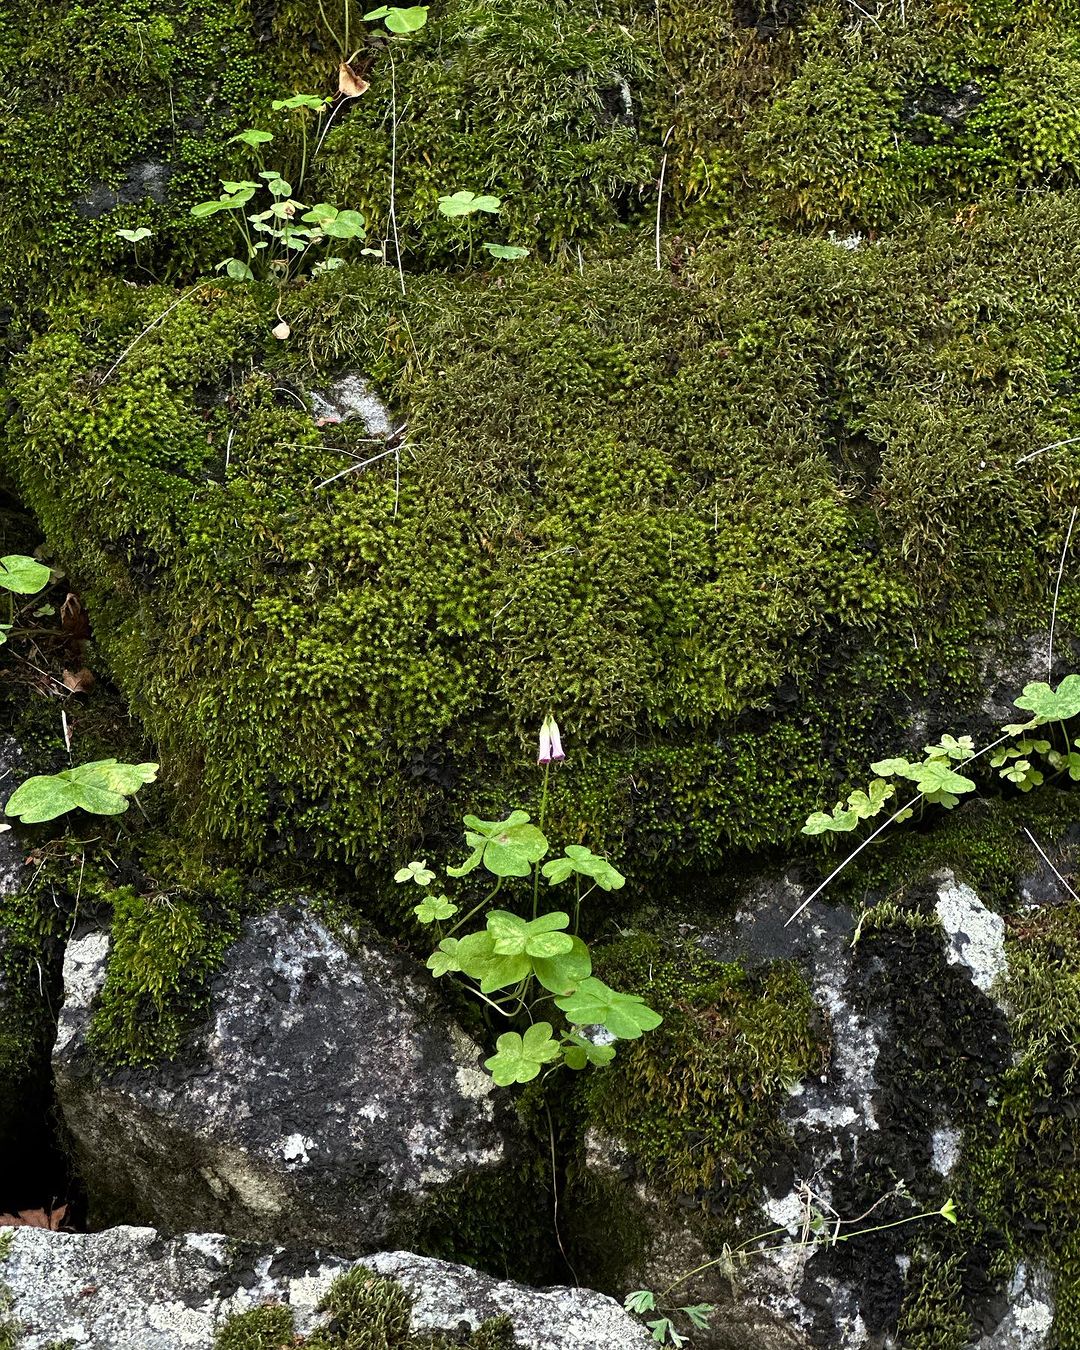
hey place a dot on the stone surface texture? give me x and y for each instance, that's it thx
(133, 1289)
(323, 1098)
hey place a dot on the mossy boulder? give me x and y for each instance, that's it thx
(734, 524)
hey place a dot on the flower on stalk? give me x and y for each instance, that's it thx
(550, 742)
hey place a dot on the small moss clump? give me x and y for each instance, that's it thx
(363, 1311)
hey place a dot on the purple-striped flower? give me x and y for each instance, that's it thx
(550, 742)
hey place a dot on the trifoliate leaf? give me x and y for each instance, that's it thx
(951, 747)
(135, 236)
(444, 959)
(624, 1015)
(252, 137)
(585, 863)
(561, 974)
(101, 787)
(467, 203)
(538, 937)
(520, 1058)
(415, 871)
(480, 961)
(433, 908)
(507, 848)
(22, 575)
(890, 768)
(1051, 705)
(934, 775)
(577, 1052)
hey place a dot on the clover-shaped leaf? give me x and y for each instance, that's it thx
(493, 970)
(337, 224)
(507, 848)
(415, 871)
(508, 252)
(562, 974)
(890, 768)
(252, 137)
(398, 20)
(1051, 705)
(594, 1003)
(101, 787)
(540, 937)
(520, 1058)
(951, 747)
(433, 908)
(577, 1052)
(934, 776)
(585, 863)
(444, 958)
(1069, 762)
(135, 236)
(22, 575)
(468, 203)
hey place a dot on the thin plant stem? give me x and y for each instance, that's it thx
(1057, 591)
(476, 908)
(149, 327)
(555, 1199)
(543, 812)
(1049, 864)
(393, 173)
(329, 28)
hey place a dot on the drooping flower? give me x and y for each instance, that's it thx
(550, 742)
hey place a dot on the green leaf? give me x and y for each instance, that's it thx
(577, 1052)
(101, 787)
(23, 575)
(252, 137)
(337, 224)
(434, 907)
(818, 823)
(934, 776)
(468, 203)
(1051, 705)
(952, 748)
(135, 236)
(444, 959)
(235, 268)
(948, 1210)
(316, 102)
(507, 848)
(663, 1331)
(417, 872)
(1069, 762)
(404, 21)
(562, 974)
(594, 1003)
(698, 1314)
(585, 863)
(890, 768)
(520, 1058)
(509, 252)
(492, 970)
(640, 1301)
(539, 937)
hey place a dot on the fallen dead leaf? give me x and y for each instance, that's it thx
(35, 1218)
(78, 681)
(349, 83)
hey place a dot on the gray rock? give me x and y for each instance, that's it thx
(133, 1289)
(145, 180)
(1028, 1324)
(324, 1098)
(975, 934)
(352, 397)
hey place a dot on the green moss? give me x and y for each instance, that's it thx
(363, 1311)
(698, 1102)
(707, 540)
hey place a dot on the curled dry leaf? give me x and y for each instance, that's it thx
(78, 681)
(51, 1219)
(350, 84)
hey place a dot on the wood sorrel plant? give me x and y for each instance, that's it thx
(513, 964)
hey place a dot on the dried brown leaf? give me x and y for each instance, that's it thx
(349, 83)
(78, 681)
(35, 1218)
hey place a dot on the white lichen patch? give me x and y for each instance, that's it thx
(975, 935)
(945, 1149)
